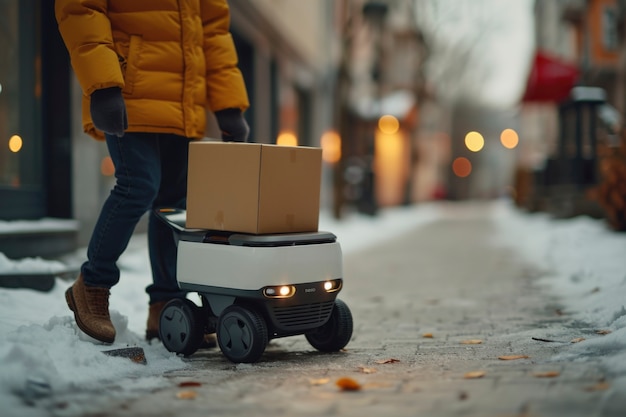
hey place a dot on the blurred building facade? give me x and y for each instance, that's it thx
(539, 120)
(563, 135)
(378, 92)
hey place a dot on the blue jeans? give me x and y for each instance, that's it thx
(150, 171)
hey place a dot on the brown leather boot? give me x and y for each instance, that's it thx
(91, 310)
(152, 327)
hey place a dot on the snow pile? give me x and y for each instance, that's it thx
(42, 350)
(29, 265)
(47, 224)
(584, 265)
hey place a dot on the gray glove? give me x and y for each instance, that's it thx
(233, 125)
(108, 111)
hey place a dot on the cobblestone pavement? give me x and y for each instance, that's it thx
(414, 299)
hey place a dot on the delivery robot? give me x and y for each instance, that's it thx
(254, 288)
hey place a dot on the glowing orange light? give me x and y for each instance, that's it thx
(461, 167)
(388, 124)
(287, 139)
(509, 138)
(474, 141)
(106, 167)
(15, 143)
(331, 147)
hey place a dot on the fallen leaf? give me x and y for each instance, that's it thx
(471, 342)
(603, 332)
(384, 361)
(600, 386)
(189, 384)
(319, 381)
(367, 370)
(547, 374)
(139, 359)
(348, 384)
(427, 335)
(474, 374)
(512, 357)
(577, 340)
(186, 395)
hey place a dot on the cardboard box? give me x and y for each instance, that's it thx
(253, 188)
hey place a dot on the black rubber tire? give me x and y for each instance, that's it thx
(241, 334)
(335, 334)
(181, 326)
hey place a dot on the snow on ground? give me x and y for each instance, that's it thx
(42, 350)
(584, 264)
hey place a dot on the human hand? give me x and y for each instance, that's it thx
(233, 125)
(108, 111)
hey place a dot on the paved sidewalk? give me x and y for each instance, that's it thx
(445, 280)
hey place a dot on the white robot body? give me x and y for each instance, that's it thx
(251, 268)
(254, 288)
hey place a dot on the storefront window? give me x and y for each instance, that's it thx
(21, 190)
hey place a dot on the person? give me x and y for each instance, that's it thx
(149, 71)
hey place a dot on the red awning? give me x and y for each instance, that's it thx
(550, 79)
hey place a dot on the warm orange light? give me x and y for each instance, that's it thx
(461, 167)
(474, 141)
(509, 138)
(390, 165)
(15, 143)
(388, 124)
(106, 167)
(331, 147)
(287, 139)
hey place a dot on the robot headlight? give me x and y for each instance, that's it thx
(332, 285)
(279, 291)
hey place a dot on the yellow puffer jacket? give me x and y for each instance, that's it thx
(173, 59)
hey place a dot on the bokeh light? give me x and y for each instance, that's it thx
(509, 138)
(474, 141)
(388, 124)
(462, 167)
(287, 139)
(107, 168)
(331, 147)
(15, 143)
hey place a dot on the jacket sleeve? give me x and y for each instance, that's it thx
(86, 32)
(225, 84)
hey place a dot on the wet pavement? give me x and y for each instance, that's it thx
(439, 313)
